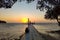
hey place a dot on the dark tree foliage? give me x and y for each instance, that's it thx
(47, 4)
(7, 3)
(52, 7)
(41, 4)
(53, 13)
(10, 3)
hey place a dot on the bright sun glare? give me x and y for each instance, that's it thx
(24, 20)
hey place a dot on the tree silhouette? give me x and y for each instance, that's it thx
(7, 3)
(52, 7)
(53, 13)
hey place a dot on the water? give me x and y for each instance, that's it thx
(43, 28)
(11, 30)
(14, 30)
(47, 27)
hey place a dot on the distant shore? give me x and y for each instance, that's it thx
(2, 21)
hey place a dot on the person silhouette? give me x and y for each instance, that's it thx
(27, 30)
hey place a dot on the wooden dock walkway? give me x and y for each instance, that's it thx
(34, 35)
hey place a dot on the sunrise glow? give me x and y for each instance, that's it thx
(24, 20)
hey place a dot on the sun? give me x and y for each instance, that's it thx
(24, 20)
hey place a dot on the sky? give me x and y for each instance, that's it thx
(23, 10)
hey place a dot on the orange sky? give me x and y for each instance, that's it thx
(23, 10)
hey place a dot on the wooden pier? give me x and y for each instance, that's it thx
(35, 35)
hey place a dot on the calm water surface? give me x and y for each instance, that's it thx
(10, 30)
